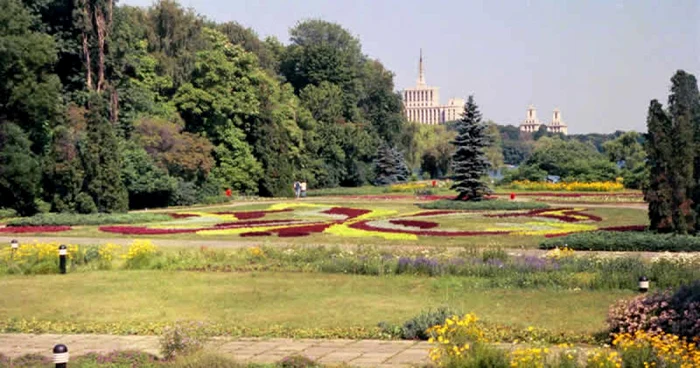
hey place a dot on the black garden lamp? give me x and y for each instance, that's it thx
(643, 284)
(60, 356)
(62, 255)
(14, 244)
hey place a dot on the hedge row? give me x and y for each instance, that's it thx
(491, 204)
(7, 213)
(626, 241)
(72, 219)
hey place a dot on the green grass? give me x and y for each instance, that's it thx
(294, 300)
(488, 205)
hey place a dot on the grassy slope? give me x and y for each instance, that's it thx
(294, 300)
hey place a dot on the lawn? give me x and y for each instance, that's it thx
(293, 300)
(512, 232)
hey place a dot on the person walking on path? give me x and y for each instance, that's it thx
(297, 189)
(302, 186)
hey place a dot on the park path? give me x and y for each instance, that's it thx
(358, 353)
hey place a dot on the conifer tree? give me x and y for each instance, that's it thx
(403, 174)
(659, 153)
(385, 166)
(103, 181)
(684, 110)
(469, 162)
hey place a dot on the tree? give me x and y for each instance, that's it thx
(147, 184)
(469, 162)
(30, 93)
(628, 152)
(494, 153)
(672, 152)
(385, 168)
(658, 147)
(101, 160)
(684, 109)
(20, 173)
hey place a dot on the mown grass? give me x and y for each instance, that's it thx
(295, 300)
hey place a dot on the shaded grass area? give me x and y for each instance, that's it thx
(292, 300)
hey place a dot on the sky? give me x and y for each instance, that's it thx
(599, 61)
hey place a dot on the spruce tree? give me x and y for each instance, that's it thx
(403, 174)
(103, 181)
(385, 166)
(469, 162)
(659, 153)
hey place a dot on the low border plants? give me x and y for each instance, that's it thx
(492, 204)
(623, 241)
(73, 219)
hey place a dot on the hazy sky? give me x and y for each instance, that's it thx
(599, 61)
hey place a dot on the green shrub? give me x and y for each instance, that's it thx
(183, 339)
(41, 206)
(297, 361)
(626, 242)
(204, 360)
(185, 194)
(493, 204)
(7, 213)
(416, 327)
(71, 219)
(84, 204)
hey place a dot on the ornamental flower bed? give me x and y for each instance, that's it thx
(413, 223)
(33, 229)
(607, 186)
(561, 214)
(351, 213)
(249, 215)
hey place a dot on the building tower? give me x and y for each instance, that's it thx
(557, 125)
(530, 124)
(422, 102)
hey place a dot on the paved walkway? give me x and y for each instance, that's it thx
(360, 353)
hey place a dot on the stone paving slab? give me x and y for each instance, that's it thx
(359, 353)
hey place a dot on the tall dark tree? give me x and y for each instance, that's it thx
(673, 153)
(684, 110)
(469, 162)
(403, 174)
(659, 153)
(19, 170)
(103, 179)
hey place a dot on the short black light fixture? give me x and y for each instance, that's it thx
(62, 255)
(14, 244)
(643, 284)
(60, 356)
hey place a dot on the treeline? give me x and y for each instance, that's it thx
(106, 107)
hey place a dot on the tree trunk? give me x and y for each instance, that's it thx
(101, 35)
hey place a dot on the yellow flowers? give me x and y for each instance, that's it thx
(256, 252)
(37, 251)
(140, 249)
(669, 350)
(559, 253)
(454, 338)
(604, 358)
(529, 357)
(607, 186)
(107, 251)
(345, 230)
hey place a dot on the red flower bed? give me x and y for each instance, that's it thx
(237, 224)
(413, 223)
(434, 213)
(302, 230)
(249, 215)
(568, 214)
(34, 229)
(140, 230)
(293, 234)
(256, 233)
(364, 225)
(182, 215)
(351, 213)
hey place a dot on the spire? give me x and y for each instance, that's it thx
(421, 76)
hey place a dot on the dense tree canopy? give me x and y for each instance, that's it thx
(112, 106)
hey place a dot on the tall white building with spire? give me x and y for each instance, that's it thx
(422, 102)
